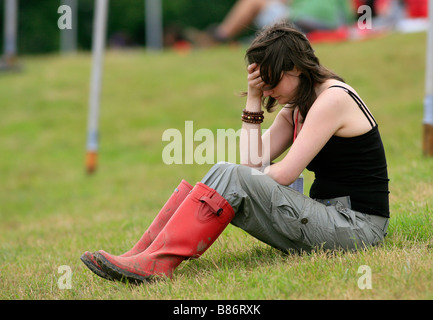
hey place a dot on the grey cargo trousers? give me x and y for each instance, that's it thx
(288, 220)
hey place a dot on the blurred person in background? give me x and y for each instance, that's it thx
(306, 15)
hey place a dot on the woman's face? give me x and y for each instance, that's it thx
(285, 89)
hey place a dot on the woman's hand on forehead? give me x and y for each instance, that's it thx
(255, 81)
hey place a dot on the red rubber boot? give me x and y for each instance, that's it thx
(150, 234)
(196, 224)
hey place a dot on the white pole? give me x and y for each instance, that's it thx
(153, 10)
(10, 31)
(428, 102)
(98, 47)
(68, 37)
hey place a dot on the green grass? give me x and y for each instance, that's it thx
(51, 211)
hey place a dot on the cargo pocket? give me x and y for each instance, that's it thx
(345, 228)
(288, 214)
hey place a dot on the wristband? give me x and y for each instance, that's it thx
(252, 117)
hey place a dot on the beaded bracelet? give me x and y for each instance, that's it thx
(252, 117)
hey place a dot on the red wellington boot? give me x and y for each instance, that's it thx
(150, 234)
(196, 224)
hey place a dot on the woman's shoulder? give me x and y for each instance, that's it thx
(336, 87)
(332, 92)
(340, 102)
(286, 113)
(332, 100)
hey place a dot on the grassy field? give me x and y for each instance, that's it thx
(51, 211)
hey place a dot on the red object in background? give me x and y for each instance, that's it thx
(338, 35)
(414, 8)
(417, 8)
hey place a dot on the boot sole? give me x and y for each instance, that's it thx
(118, 273)
(94, 268)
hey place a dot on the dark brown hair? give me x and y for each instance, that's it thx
(280, 48)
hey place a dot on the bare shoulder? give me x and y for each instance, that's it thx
(329, 113)
(286, 114)
(334, 91)
(335, 104)
(333, 97)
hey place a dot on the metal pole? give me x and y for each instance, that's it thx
(68, 37)
(153, 15)
(98, 47)
(428, 102)
(10, 32)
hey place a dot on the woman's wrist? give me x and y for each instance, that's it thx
(254, 104)
(252, 117)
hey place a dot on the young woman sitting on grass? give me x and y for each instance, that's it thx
(328, 130)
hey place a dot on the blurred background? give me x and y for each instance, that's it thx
(38, 33)
(51, 211)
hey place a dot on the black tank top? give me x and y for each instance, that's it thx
(354, 167)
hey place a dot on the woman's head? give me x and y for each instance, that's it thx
(281, 48)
